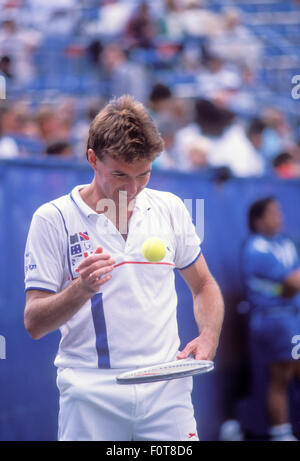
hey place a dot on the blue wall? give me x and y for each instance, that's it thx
(29, 399)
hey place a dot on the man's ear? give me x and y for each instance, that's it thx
(92, 158)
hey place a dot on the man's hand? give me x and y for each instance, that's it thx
(93, 270)
(202, 348)
(45, 312)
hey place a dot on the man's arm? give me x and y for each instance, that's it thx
(208, 311)
(45, 311)
(291, 284)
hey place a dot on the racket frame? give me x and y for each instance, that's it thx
(125, 378)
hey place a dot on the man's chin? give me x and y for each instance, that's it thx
(125, 201)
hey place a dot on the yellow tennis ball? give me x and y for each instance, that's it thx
(154, 249)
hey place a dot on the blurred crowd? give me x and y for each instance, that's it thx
(196, 68)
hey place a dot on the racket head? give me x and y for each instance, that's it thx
(166, 371)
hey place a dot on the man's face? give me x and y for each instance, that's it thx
(115, 176)
(270, 223)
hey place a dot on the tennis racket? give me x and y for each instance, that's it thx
(165, 371)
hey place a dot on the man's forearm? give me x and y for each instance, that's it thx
(209, 311)
(46, 314)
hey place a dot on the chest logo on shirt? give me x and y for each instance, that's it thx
(80, 247)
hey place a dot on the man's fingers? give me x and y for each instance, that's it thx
(96, 275)
(199, 348)
(98, 281)
(196, 349)
(182, 355)
(86, 272)
(185, 352)
(102, 280)
(201, 356)
(92, 259)
(94, 270)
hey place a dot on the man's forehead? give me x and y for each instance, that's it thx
(121, 166)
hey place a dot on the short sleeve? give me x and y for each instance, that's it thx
(188, 247)
(267, 266)
(44, 267)
(261, 262)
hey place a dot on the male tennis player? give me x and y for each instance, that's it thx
(115, 310)
(272, 275)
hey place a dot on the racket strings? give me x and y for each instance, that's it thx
(165, 369)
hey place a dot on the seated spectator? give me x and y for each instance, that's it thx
(278, 135)
(255, 132)
(170, 21)
(58, 16)
(160, 100)
(19, 45)
(217, 80)
(60, 148)
(94, 50)
(62, 19)
(235, 43)
(236, 151)
(188, 18)
(271, 271)
(285, 166)
(20, 129)
(141, 30)
(184, 137)
(51, 124)
(231, 147)
(199, 152)
(123, 76)
(169, 158)
(8, 146)
(5, 67)
(12, 123)
(162, 103)
(112, 19)
(200, 21)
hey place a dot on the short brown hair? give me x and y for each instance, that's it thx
(124, 129)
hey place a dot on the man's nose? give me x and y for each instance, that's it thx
(131, 187)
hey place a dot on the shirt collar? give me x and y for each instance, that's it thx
(141, 202)
(80, 203)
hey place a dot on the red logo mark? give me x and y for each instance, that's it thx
(84, 236)
(192, 435)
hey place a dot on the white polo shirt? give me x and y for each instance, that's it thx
(132, 321)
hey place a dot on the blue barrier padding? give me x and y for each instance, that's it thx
(29, 399)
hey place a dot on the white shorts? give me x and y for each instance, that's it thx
(93, 407)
